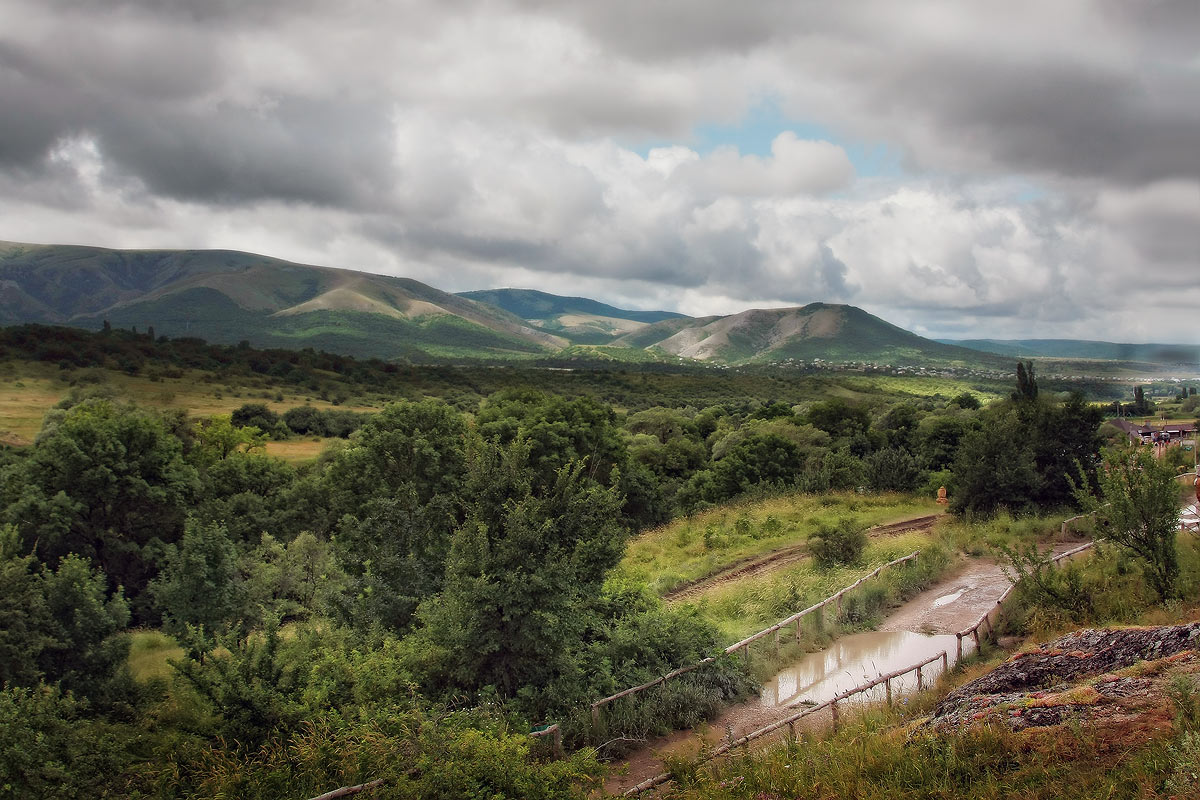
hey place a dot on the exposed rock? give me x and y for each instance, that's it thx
(1072, 678)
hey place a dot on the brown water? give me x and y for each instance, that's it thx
(857, 659)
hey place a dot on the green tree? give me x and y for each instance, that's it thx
(893, 470)
(1027, 388)
(107, 482)
(558, 431)
(25, 622)
(837, 545)
(938, 440)
(293, 580)
(838, 418)
(254, 415)
(1136, 500)
(524, 569)
(967, 401)
(198, 587)
(396, 493)
(218, 438)
(252, 493)
(1062, 435)
(57, 625)
(52, 748)
(994, 467)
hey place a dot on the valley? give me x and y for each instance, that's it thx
(304, 531)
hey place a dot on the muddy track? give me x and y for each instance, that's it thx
(784, 557)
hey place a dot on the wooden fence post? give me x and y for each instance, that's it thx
(888, 685)
(959, 636)
(975, 634)
(777, 642)
(920, 680)
(946, 661)
(834, 711)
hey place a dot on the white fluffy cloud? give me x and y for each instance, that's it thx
(1050, 183)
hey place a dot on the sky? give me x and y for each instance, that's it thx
(1006, 169)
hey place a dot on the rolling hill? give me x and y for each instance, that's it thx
(228, 296)
(579, 319)
(817, 330)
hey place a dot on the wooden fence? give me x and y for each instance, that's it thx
(555, 735)
(994, 612)
(790, 721)
(744, 644)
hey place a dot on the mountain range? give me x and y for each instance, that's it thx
(228, 296)
(1148, 353)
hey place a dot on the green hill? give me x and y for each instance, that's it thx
(229, 296)
(581, 320)
(818, 330)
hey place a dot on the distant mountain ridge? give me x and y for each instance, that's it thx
(817, 330)
(580, 319)
(1170, 354)
(227, 296)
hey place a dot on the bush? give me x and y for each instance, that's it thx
(254, 415)
(838, 545)
(50, 749)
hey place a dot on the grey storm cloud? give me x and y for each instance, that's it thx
(511, 138)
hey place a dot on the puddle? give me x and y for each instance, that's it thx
(854, 660)
(947, 599)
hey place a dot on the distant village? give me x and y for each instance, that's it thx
(1172, 433)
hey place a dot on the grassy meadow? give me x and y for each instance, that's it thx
(29, 389)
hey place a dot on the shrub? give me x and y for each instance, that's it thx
(254, 415)
(837, 545)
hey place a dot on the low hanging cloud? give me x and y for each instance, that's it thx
(1049, 184)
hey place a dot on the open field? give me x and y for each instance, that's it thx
(28, 390)
(299, 450)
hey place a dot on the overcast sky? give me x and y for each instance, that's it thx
(1008, 169)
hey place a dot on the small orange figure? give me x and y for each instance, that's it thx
(942, 501)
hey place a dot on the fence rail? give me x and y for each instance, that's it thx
(791, 720)
(744, 644)
(885, 680)
(994, 611)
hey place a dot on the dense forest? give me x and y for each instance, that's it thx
(409, 605)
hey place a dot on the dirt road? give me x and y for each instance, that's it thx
(949, 606)
(785, 556)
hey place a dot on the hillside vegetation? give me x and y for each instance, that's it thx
(186, 616)
(229, 296)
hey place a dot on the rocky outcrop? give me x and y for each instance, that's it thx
(1086, 675)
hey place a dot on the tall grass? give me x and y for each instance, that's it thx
(706, 543)
(681, 703)
(886, 754)
(749, 605)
